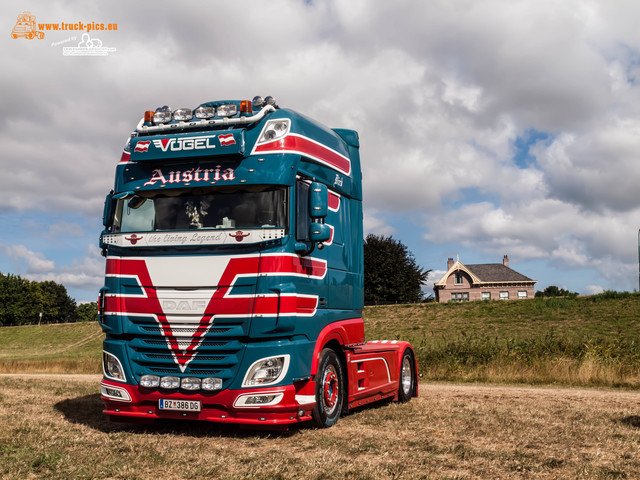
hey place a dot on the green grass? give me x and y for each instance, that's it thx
(56, 348)
(588, 341)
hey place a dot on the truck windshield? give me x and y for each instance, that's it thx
(254, 207)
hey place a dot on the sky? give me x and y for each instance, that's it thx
(487, 128)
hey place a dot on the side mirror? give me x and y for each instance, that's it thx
(107, 214)
(320, 232)
(318, 200)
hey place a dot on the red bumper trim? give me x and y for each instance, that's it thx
(216, 406)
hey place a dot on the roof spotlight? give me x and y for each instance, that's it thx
(258, 102)
(162, 115)
(270, 101)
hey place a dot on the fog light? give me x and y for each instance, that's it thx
(182, 114)
(211, 384)
(169, 383)
(190, 383)
(263, 400)
(114, 393)
(205, 112)
(259, 399)
(150, 381)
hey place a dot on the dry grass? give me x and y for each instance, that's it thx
(54, 429)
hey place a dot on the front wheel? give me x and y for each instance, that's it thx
(329, 390)
(407, 377)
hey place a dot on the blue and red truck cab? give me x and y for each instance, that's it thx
(234, 272)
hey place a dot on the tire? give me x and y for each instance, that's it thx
(407, 380)
(329, 390)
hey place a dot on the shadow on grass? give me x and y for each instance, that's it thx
(632, 421)
(87, 410)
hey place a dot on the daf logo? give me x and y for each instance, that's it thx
(183, 305)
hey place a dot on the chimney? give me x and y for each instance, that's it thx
(449, 264)
(505, 261)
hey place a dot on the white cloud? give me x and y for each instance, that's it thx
(86, 272)
(439, 92)
(35, 262)
(593, 289)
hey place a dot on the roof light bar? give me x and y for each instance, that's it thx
(203, 123)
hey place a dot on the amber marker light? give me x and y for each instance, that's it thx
(148, 116)
(245, 106)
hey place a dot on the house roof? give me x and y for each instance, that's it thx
(485, 273)
(497, 272)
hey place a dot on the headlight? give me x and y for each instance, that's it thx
(112, 367)
(266, 371)
(274, 130)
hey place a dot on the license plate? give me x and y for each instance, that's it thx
(179, 405)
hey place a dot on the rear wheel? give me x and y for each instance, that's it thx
(407, 377)
(329, 390)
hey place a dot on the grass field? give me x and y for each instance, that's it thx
(590, 341)
(53, 428)
(57, 348)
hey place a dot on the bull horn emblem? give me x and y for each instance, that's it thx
(239, 236)
(133, 238)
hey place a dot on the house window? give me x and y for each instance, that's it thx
(460, 297)
(486, 295)
(504, 295)
(522, 294)
(458, 278)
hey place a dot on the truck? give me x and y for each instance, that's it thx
(233, 290)
(26, 27)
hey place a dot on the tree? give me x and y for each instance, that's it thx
(553, 291)
(390, 272)
(87, 312)
(22, 300)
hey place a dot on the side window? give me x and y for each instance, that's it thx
(303, 220)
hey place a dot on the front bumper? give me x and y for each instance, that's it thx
(224, 406)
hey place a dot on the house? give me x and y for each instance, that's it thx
(490, 281)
